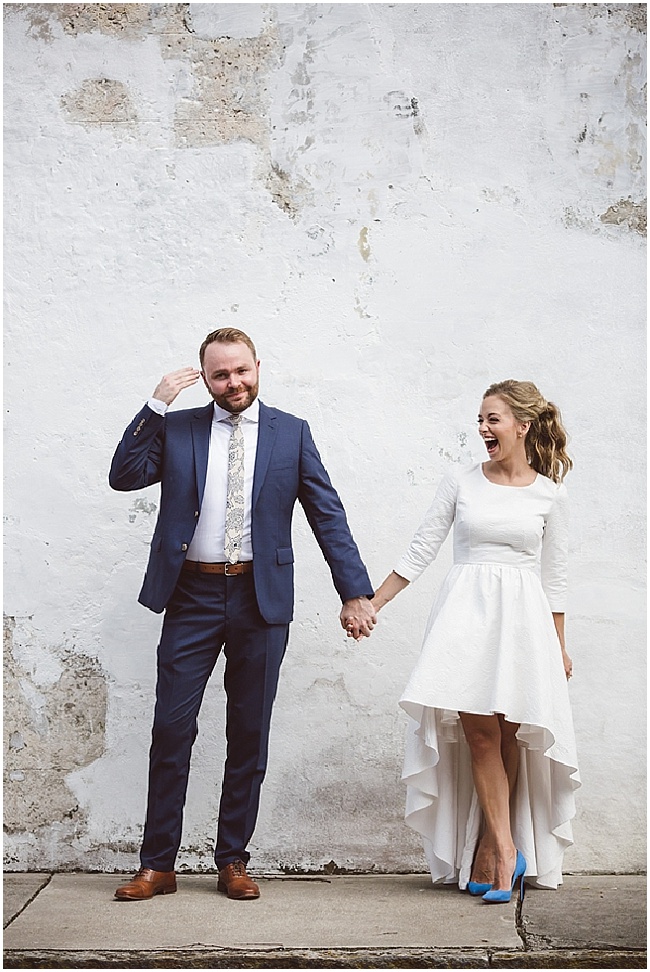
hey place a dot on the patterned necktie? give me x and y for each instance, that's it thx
(235, 495)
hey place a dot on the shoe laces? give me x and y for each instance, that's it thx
(238, 868)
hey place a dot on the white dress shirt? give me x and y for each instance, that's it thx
(208, 541)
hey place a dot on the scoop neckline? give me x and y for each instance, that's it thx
(506, 485)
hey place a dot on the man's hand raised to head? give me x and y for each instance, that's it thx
(172, 384)
(358, 617)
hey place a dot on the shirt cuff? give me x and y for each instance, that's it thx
(157, 406)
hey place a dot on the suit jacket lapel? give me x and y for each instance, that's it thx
(201, 426)
(267, 432)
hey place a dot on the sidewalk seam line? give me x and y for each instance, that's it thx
(27, 903)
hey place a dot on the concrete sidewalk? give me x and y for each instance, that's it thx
(371, 921)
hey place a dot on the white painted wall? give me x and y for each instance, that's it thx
(401, 203)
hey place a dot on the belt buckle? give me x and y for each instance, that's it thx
(227, 572)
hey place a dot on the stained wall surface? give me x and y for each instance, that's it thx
(401, 203)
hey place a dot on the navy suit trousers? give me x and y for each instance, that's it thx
(206, 613)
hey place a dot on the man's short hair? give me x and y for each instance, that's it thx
(227, 335)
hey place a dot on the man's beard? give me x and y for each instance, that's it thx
(225, 402)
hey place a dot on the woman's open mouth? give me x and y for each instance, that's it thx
(491, 445)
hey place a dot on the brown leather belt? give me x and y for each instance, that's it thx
(230, 570)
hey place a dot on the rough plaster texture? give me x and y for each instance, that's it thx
(401, 203)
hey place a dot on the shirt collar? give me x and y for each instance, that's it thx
(251, 414)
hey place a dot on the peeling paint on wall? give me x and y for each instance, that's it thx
(100, 101)
(230, 99)
(628, 213)
(114, 19)
(141, 505)
(49, 731)
(634, 15)
(363, 244)
(289, 194)
(229, 76)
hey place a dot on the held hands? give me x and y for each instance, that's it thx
(172, 384)
(358, 617)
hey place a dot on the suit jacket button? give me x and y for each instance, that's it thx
(196, 512)
(183, 547)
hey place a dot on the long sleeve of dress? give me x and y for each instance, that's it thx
(434, 529)
(555, 551)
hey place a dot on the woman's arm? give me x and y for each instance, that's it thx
(558, 621)
(393, 584)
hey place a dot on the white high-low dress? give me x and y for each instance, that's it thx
(490, 646)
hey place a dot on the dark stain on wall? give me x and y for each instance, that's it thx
(625, 212)
(48, 733)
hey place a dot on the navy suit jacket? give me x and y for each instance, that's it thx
(173, 450)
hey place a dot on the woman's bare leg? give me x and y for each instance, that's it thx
(484, 860)
(484, 738)
(509, 751)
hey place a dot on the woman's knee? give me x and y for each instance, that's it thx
(482, 733)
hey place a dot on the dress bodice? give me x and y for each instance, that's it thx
(523, 527)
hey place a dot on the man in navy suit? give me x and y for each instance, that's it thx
(221, 568)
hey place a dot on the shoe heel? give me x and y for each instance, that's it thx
(221, 886)
(520, 871)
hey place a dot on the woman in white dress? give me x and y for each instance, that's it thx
(490, 761)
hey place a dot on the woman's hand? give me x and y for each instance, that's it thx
(568, 664)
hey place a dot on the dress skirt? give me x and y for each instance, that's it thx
(490, 646)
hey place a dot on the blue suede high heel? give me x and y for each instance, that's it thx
(475, 888)
(502, 897)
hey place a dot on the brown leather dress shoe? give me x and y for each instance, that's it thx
(146, 884)
(234, 880)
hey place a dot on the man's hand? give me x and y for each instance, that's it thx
(358, 617)
(169, 387)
